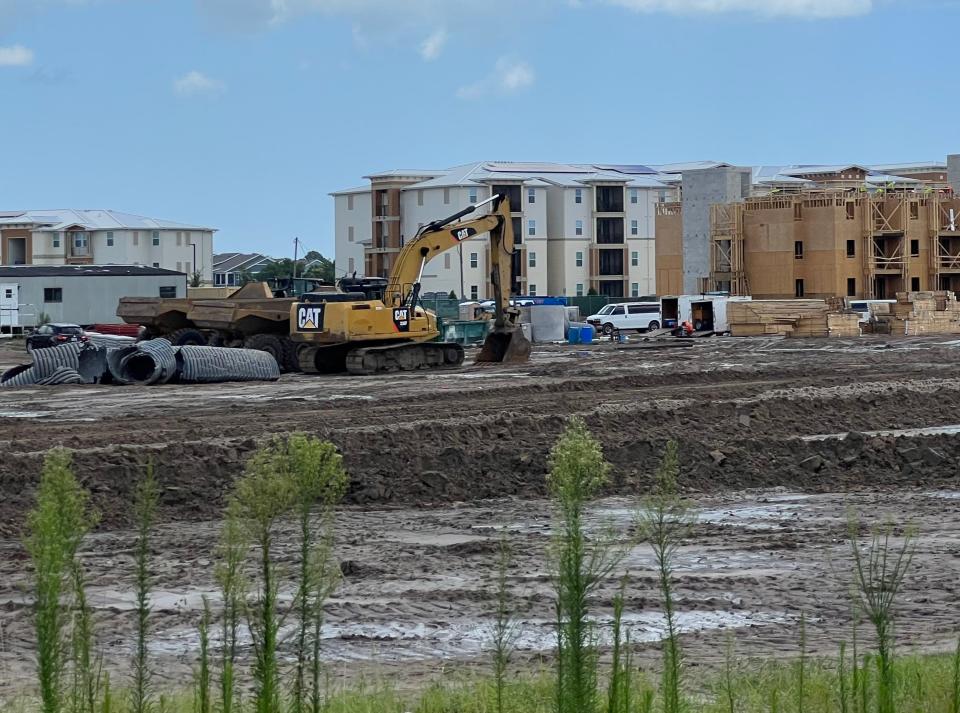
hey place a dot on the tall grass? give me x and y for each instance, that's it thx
(319, 481)
(56, 527)
(577, 472)
(879, 570)
(664, 522)
(146, 501)
(505, 628)
(229, 573)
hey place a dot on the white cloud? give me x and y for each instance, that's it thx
(803, 9)
(508, 77)
(196, 83)
(15, 56)
(431, 47)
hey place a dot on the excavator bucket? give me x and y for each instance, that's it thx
(505, 346)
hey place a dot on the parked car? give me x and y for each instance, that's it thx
(641, 316)
(490, 305)
(53, 335)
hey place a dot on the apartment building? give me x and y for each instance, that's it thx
(577, 228)
(104, 237)
(825, 231)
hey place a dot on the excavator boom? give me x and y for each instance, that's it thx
(506, 342)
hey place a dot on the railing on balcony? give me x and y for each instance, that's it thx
(887, 254)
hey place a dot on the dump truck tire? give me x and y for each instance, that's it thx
(271, 344)
(187, 337)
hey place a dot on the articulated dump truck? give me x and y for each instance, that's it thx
(251, 318)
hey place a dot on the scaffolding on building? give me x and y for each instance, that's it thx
(727, 268)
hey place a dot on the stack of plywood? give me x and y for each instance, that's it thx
(791, 318)
(919, 313)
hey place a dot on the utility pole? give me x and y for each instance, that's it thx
(296, 244)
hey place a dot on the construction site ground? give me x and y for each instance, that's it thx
(779, 440)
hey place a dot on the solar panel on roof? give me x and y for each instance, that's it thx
(635, 169)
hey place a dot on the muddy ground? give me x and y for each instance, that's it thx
(872, 421)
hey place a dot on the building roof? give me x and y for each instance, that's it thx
(802, 170)
(405, 173)
(21, 271)
(233, 262)
(916, 167)
(352, 191)
(60, 218)
(688, 166)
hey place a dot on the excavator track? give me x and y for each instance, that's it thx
(409, 356)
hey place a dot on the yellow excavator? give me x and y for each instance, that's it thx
(377, 325)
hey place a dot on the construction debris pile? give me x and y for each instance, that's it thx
(791, 318)
(150, 362)
(918, 313)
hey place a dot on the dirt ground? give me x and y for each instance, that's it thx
(778, 438)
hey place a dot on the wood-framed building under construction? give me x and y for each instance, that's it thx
(836, 242)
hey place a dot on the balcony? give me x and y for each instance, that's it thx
(513, 193)
(610, 231)
(609, 199)
(887, 255)
(948, 255)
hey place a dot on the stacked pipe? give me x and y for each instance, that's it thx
(147, 363)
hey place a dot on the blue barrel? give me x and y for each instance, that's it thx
(586, 334)
(573, 336)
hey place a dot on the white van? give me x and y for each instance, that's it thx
(863, 307)
(642, 316)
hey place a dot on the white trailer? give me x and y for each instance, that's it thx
(9, 308)
(707, 313)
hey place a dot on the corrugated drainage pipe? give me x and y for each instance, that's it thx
(21, 375)
(152, 362)
(199, 365)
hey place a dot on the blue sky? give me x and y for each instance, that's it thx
(244, 114)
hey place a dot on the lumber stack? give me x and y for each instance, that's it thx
(790, 318)
(922, 313)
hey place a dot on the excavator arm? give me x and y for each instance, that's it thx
(506, 343)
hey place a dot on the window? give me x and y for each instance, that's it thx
(578, 195)
(446, 196)
(851, 248)
(635, 289)
(531, 195)
(474, 292)
(168, 291)
(798, 211)
(532, 291)
(579, 257)
(634, 195)
(187, 267)
(56, 240)
(350, 265)
(914, 284)
(446, 261)
(79, 239)
(532, 259)
(52, 294)
(350, 233)
(579, 289)
(579, 227)
(474, 260)
(914, 248)
(219, 278)
(8, 294)
(634, 259)
(156, 237)
(798, 290)
(472, 196)
(851, 287)
(156, 264)
(914, 210)
(634, 227)
(420, 196)
(531, 227)
(850, 210)
(109, 238)
(136, 237)
(798, 250)
(179, 266)
(350, 202)
(186, 238)
(661, 196)
(179, 239)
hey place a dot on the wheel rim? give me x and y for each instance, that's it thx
(608, 329)
(654, 325)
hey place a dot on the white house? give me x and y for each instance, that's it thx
(104, 237)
